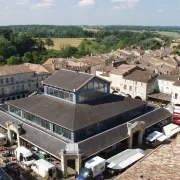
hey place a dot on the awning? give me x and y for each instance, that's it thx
(125, 158)
(175, 131)
(160, 96)
(171, 129)
(162, 138)
(154, 135)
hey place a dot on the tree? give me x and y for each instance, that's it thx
(122, 44)
(28, 58)
(14, 60)
(7, 49)
(82, 48)
(69, 51)
(49, 42)
(2, 60)
(110, 41)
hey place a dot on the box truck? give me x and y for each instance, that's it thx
(44, 169)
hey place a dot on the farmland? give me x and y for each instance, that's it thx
(63, 42)
(171, 34)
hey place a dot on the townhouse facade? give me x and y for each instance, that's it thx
(18, 81)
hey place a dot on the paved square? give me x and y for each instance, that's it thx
(162, 164)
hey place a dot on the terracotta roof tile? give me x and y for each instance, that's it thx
(14, 69)
(124, 68)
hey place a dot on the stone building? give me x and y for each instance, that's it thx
(18, 81)
(77, 117)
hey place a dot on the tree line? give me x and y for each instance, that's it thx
(50, 31)
(21, 47)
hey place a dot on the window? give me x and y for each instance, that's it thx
(22, 87)
(90, 85)
(66, 96)
(125, 86)
(135, 89)
(12, 88)
(136, 83)
(51, 91)
(17, 88)
(1, 81)
(175, 96)
(12, 80)
(15, 110)
(61, 94)
(130, 88)
(29, 85)
(56, 92)
(7, 80)
(2, 91)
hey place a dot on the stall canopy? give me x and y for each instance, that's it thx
(171, 129)
(156, 136)
(125, 158)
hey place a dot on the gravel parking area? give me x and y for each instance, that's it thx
(162, 164)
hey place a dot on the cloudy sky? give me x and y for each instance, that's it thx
(90, 12)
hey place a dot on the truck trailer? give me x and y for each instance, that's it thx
(95, 167)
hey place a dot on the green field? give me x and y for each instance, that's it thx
(63, 42)
(172, 34)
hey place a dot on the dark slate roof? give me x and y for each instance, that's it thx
(168, 77)
(68, 80)
(140, 76)
(177, 83)
(76, 116)
(108, 138)
(37, 137)
(160, 96)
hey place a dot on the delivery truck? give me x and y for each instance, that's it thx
(24, 155)
(95, 167)
(44, 169)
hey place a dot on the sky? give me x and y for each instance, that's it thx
(90, 12)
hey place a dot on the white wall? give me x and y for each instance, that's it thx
(164, 86)
(175, 91)
(99, 74)
(129, 87)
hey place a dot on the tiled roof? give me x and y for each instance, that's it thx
(14, 69)
(37, 68)
(161, 164)
(177, 83)
(140, 76)
(168, 77)
(124, 68)
(68, 80)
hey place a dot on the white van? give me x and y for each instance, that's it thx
(44, 168)
(3, 140)
(24, 155)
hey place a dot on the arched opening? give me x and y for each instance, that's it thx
(23, 96)
(8, 99)
(13, 98)
(128, 95)
(18, 97)
(2, 100)
(114, 92)
(137, 97)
